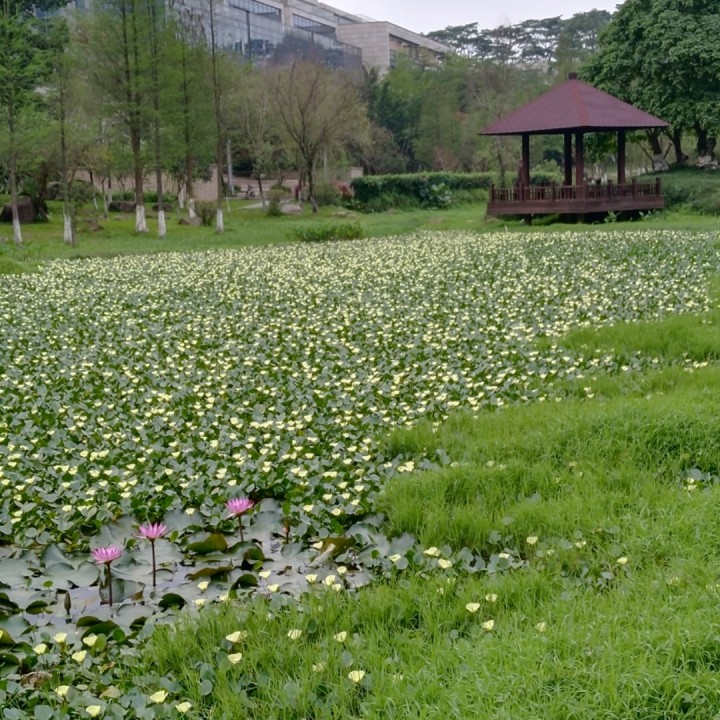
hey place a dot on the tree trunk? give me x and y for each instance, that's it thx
(68, 230)
(311, 189)
(680, 156)
(17, 232)
(702, 139)
(219, 224)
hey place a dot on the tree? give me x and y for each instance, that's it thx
(23, 67)
(115, 45)
(318, 109)
(661, 55)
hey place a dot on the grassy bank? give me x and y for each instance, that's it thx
(245, 225)
(594, 532)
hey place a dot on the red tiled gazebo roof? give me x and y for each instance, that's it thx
(573, 106)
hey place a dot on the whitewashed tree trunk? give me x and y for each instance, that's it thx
(162, 228)
(68, 237)
(220, 224)
(191, 208)
(181, 199)
(17, 232)
(140, 222)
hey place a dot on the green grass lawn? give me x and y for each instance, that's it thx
(244, 226)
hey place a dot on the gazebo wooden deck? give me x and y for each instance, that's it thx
(574, 108)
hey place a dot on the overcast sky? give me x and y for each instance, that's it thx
(423, 16)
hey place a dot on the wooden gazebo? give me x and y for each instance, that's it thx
(574, 109)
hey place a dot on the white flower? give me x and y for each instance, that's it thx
(312, 578)
(541, 627)
(444, 564)
(472, 607)
(394, 558)
(183, 707)
(79, 656)
(236, 636)
(294, 634)
(159, 697)
(356, 675)
(488, 625)
(234, 658)
(60, 638)
(531, 540)
(622, 560)
(491, 597)
(93, 710)
(40, 649)
(90, 640)
(432, 552)
(340, 637)
(62, 690)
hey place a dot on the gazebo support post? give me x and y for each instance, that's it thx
(621, 157)
(525, 172)
(567, 153)
(580, 171)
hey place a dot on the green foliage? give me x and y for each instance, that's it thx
(326, 232)
(327, 194)
(660, 55)
(206, 211)
(427, 190)
(150, 197)
(691, 190)
(274, 209)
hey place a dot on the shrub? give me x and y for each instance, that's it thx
(690, 189)
(418, 190)
(206, 211)
(326, 194)
(273, 208)
(149, 196)
(327, 232)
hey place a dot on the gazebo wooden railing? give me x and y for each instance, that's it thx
(575, 199)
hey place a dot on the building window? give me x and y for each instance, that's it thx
(312, 25)
(257, 8)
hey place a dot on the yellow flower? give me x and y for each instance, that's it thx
(472, 607)
(532, 540)
(488, 625)
(444, 564)
(199, 601)
(273, 588)
(318, 667)
(90, 640)
(356, 675)
(340, 637)
(183, 707)
(237, 636)
(62, 690)
(432, 552)
(491, 597)
(93, 710)
(294, 634)
(541, 627)
(312, 578)
(265, 574)
(622, 560)
(159, 697)
(79, 656)
(394, 558)
(329, 580)
(203, 585)
(234, 658)
(60, 638)
(40, 649)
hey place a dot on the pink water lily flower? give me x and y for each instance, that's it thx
(152, 531)
(238, 506)
(106, 555)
